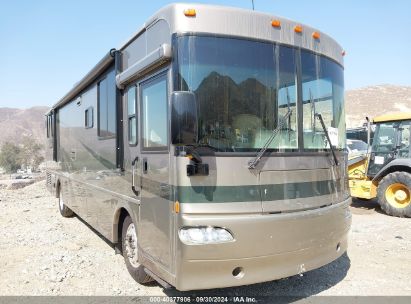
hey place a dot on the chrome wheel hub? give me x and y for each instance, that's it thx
(131, 245)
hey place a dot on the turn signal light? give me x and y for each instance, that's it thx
(316, 35)
(276, 23)
(190, 12)
(177, 207)
(298, 29)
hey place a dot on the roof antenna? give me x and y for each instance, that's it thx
(252, 1)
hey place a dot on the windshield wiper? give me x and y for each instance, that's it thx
(252, 164)
(327, 136)
(312, 105)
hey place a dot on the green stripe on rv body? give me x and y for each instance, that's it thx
(298, 190)
(248, 193)
(218, 194)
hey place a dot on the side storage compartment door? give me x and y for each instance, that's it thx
(154, 227)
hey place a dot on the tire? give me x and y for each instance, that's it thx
(64, 210)
(394, 194)
(130, 252)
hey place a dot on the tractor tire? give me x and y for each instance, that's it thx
(394, 194)
(130, 252)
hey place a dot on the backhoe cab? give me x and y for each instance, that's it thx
(385, 171)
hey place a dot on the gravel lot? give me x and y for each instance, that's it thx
(42, 253)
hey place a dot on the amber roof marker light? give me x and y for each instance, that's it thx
(298, 29)
(190, 12)
(316, 35)
(276, 23)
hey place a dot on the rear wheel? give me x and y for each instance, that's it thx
(130, 252)
(394, 194)
(64, 210)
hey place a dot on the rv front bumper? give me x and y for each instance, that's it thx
(266, 247)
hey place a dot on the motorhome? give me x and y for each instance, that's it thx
(209, 148)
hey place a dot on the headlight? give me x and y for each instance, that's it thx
(204, 235)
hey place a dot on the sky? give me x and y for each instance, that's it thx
(46, 46)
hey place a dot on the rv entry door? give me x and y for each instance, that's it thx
(155, 223)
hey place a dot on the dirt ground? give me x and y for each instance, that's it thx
(42, 253)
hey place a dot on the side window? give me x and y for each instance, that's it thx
(322, 93)
(154, 109)
(404, 145)
(88, 118)
(52, 122)
(106, 122)
(48, 125)
(131, 114)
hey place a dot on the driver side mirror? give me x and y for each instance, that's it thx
(184, 118)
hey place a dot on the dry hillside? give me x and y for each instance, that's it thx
(374, 101)
(16, 123)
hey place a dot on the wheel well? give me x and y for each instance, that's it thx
(122, 214)
(393, 169)
(58, 188)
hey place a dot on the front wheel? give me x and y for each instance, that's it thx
(394, 194)
(130, 252)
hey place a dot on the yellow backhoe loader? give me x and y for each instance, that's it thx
(385, 171)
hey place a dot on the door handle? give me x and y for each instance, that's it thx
(145, 165)
(133, 171)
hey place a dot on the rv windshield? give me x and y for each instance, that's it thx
(243, 90)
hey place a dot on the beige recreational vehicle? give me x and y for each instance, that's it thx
(209, 148)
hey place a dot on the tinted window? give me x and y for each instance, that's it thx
(107, 106)
(88, 118)
(154, 107)
(131, 113)
(52, 125)
(111, 104)
(102, 108)
(48, 125)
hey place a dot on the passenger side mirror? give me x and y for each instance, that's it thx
(183, 118)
